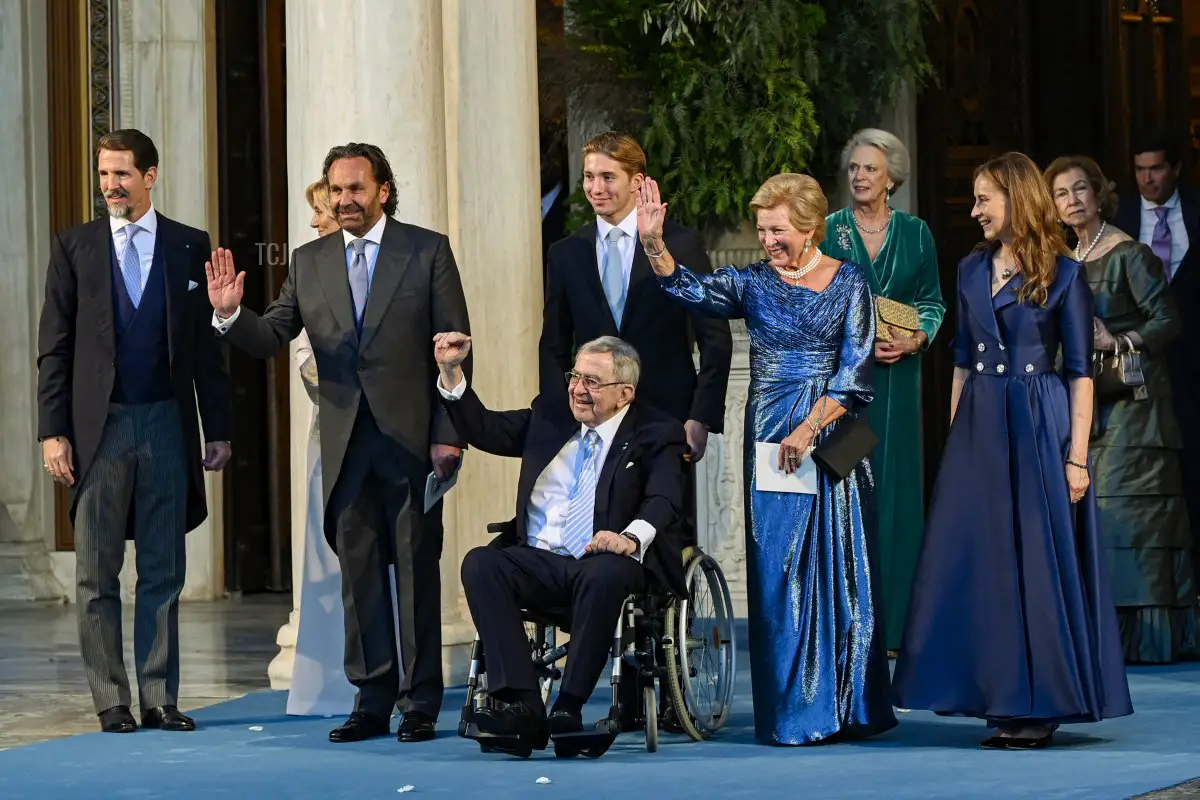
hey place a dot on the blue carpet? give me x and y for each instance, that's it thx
(926, 757)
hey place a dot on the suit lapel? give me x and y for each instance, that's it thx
(1189, 207)
(395, 254)
(978, 290)
(173, 260)
(616, 455)
(331, 267)
(589, 271)
(638, 275)
(541, 452)
(98, 282)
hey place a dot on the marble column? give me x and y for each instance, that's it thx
(26, 495)
(454, 107)
(490, 58)
(341, 90)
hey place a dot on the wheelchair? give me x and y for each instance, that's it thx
(694, 634)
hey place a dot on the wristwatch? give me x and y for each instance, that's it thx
(637, 543)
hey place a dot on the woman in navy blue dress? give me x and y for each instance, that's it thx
(1011, 619)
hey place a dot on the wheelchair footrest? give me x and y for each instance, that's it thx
(494, 743)
(592, 742)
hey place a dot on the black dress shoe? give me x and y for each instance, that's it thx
(563, 721)
(416, 727)
(515, 720)
(167, 718)
(360, 727)
(117, 720)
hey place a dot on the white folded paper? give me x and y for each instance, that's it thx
(768, 477)
(435, 490)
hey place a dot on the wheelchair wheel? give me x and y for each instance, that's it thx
(650, 711)
(700, 650)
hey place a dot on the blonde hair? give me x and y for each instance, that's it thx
(806, 203)
(1104, 189)
(317, 195)
(621, 148)
(1037, 239)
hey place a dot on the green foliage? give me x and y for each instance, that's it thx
(725, 93)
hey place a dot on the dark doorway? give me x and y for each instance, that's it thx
(1048, 79)
(253, 224)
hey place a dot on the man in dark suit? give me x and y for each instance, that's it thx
(599, 501)
(124, 352)
(1166, 217)
(370, 298)
(600, 284)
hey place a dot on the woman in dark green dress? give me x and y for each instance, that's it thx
(1136, 442)
(895, 250)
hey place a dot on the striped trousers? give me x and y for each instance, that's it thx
(138, 481)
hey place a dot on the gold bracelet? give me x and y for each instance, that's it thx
(816, 431)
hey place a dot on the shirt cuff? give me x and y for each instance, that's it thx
(644, 532)
(223, 325)
(456, 394)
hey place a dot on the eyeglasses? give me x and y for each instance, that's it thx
(589, 383)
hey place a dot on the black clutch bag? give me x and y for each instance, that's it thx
(844, 449)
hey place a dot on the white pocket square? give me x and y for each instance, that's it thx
(192, 285)
(630, 464)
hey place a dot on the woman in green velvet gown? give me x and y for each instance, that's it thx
(897, 254)
(1136, 441)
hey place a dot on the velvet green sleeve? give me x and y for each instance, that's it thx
(928, 300)
(1148, 284)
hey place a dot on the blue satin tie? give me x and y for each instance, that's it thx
(581, 511)
(131, 267)
(612, 276)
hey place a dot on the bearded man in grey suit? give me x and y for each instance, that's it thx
(370, 297)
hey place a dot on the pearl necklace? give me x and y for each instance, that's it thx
(797, 274)
(880, 229)
(1082, 257)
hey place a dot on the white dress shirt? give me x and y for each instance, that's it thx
(144, 240)
(374, 239)
(1179, 237)
(551, 496)
(625, 245)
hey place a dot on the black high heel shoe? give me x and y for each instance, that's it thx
(1022, 743)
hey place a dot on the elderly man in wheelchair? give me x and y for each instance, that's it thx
(599, 503)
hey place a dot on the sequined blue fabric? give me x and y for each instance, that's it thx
(816, 657)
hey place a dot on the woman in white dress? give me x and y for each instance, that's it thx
(319, 685)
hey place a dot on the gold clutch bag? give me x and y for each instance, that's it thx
(897, 315)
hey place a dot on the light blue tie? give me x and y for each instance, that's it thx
(612, 276)
(578, 530)
(360, 284)
(131, 267)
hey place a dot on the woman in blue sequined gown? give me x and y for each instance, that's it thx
(817, 662)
